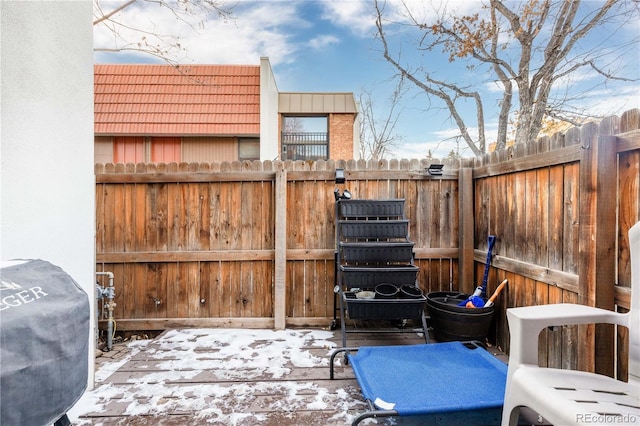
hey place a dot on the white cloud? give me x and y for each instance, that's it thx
(357, 16)
(323, 41)
(256, 29)
(605, 102)
(430, 11)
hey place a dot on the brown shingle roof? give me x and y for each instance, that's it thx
(163, 100)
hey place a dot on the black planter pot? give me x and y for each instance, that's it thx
(410, 292)
(459, 323)
(386, 291)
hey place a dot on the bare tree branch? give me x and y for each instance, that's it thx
(106, 16)
(530, 48)
(165, 46)
(435, 88)
(377, 135)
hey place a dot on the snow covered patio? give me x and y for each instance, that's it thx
(230, 377)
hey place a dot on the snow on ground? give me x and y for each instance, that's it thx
(247, 356)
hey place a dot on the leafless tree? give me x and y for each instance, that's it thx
(526, 47)
(155, 41)
(377, 132)
(293, 125)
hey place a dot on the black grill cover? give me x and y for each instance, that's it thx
(44, 343)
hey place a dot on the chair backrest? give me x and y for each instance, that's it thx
(634, 325)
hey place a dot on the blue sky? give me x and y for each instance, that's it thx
(330, 46)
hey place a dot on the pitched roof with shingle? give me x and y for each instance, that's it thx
(170, 101)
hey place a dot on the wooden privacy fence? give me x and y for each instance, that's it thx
(252, 244)
(561, 208)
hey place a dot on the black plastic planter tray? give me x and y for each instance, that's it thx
(377, 309)
(377, 252)
(370, 276)
(374, 229)
(393, 208)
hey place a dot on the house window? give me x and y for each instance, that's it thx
(166, 150)
(248, 149)
(128, 149)
(305, 138)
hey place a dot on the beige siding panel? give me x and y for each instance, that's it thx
(209, 149)
(103, 150)
(316, 103)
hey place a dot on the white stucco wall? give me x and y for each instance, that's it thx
(268, 112)
(47, 182)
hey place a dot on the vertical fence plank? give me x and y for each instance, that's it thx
(243, 203)
(234, 285)
(125, 289)
(215, 218)
(571, 217)
(541, 249)
(466, 233)
(247, 289)
(128, 218)
(193, 290)
(205, 294)
(156, 287)
(555, 212)
(554, 336)
(522, 197)
(499, 224)
(174, 210)
(141, 298)
(114, 226)
(101, 219)
(532, 220)
(227, 295)
(182, 290)
(541, 291)
(510, 226)
(204, 217)
(236, 221)
(225, 216)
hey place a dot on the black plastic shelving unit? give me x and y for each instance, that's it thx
(372, 248)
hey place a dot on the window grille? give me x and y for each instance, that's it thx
(305, 146)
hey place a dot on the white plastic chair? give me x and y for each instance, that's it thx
(567, 397)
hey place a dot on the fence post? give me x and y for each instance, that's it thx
(597, 234)
(605, 249)
(279, 305)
